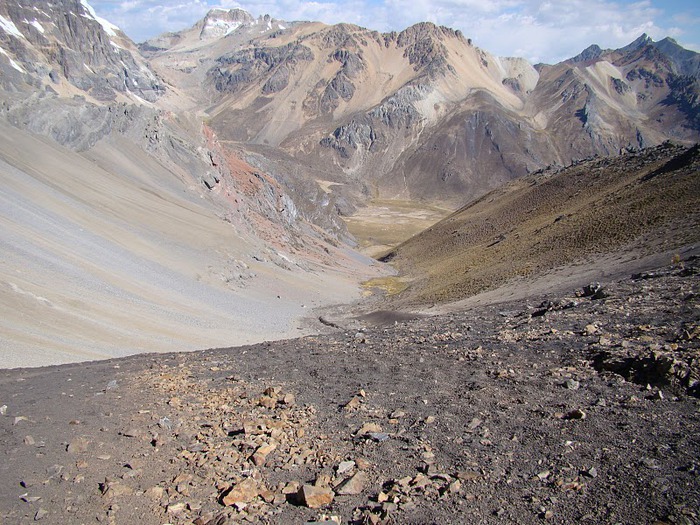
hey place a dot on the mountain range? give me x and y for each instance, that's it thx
(171, 194)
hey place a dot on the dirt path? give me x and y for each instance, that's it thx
(529, 411)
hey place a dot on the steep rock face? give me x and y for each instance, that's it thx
(271, 66)
(64, 47)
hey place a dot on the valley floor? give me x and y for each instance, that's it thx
(579, 407)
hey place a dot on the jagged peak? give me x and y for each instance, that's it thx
(424, 30)
(641, 41)
(590, 53)
(230, 14)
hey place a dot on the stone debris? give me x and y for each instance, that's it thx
(518, 418)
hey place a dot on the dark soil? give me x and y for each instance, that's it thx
(580, 408)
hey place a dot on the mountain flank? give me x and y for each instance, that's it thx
(639, 204)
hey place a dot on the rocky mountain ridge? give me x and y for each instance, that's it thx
(423, 114)
(64, 47)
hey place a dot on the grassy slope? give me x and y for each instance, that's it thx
(557, 217)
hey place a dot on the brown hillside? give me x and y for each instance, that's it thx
(644, 201)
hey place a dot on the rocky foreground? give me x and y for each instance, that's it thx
(581, 408)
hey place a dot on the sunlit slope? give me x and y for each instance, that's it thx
(644, 202)
(99, 262)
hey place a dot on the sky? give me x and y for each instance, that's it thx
(540, 30)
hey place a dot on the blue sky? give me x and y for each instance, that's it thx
(539, 30)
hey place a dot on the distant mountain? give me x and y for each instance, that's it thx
(423, 114)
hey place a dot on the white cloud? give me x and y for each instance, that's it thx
(536, 29)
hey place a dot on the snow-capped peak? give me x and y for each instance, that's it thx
(221, 22)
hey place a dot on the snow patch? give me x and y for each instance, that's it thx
(108, 26)
(12, 62)
(139, 99)
(10, 27)
(38, 26)
(224, 27)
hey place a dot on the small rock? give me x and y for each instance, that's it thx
(429, 420)
(78, 445)
(420, 481)
(19, 419)
(353, 404)
(344, 467)
(368, 428)
(572, 384)
(575, 414)
(3, 410)
(591, 472)
(267, 402)
(353, 485)
(378, 436)
(260, 455)
(132, 433)
(315, 497)
(29, 440)
(474, 423)
(468, 475)
(291, 488)
(363, 464)
(177, 509)
(244, 492)
(115, 490)
(155, 493)
(288, 399)
(656, 396)
(41, 513)
(397, 414)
